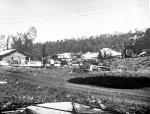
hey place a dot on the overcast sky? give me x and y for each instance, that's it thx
(60, 19)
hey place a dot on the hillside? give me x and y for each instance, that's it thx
(133, 64)
(84, 44)
(114, 41)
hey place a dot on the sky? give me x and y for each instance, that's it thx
(65, 19)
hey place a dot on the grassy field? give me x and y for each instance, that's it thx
(121, 92)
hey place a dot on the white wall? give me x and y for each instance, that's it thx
(16, 56)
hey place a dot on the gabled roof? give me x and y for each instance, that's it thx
(11, 51)
(6, 52)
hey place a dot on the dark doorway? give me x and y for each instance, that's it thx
(27, 58)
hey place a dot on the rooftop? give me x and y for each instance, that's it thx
(6, 51)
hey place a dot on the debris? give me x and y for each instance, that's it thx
(3, 82)
(107, 52)
(102, 106)
(93, 101)
(61, 107)
(142, 54)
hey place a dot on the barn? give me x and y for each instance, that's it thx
(14, 56)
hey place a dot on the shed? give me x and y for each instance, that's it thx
(14, 55)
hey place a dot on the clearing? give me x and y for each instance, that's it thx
(29, 86)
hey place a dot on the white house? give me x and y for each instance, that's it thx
(90, 55)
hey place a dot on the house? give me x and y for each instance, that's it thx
(107, 52)
(14, 55)
(90, 55)
(64, 55)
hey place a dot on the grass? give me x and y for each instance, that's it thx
(27, 86)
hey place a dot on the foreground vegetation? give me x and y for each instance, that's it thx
(28, 86)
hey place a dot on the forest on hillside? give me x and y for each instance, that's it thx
(82, 45)
(24, 42)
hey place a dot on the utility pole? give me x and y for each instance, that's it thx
(7, 43)
(44, 53)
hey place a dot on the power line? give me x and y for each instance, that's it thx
(41, 13)
(49, 10)
(78, 13)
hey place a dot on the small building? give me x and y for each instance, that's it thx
(14, 55)
(107, 52)
(90, 55)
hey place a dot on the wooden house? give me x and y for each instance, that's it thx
(14, 55)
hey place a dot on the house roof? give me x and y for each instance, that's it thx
(64, 55)
(90, 55)
(8, 52)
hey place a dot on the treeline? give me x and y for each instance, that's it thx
(114, 41)
(93, 44)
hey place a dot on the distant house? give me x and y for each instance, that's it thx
(64, 56)
(107, 52)
(90, 55)
(14, 55)
(69, 55)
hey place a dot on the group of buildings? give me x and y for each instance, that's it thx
(14, 56)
